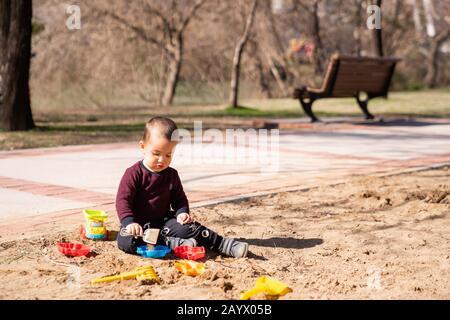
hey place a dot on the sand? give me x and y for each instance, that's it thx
(369, 238)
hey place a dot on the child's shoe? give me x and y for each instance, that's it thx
(233, 248)
(173, 242)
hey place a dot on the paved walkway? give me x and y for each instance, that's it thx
(42, 186)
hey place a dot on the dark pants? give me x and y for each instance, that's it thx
(171, 228)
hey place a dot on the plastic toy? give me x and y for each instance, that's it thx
(94, 227)
(191, 253)
(190, 268)
(73, 249)
(157, 252)
(140, 273)
(150, 235)
(272, 289)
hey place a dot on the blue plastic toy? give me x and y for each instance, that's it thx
(157, 252)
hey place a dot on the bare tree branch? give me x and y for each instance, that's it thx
(140, 32)
(165, 22)
(235, 73)
(432, 60)
(303, 6)
(191, 12)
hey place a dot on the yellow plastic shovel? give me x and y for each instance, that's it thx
(272, 289)
(140, 273)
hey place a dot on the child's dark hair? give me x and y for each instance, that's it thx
(165, 126)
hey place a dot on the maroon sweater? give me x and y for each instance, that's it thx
(146, 196)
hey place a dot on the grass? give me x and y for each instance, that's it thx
(77, 124)
(430, 103)
(257, 112)
(39, 138)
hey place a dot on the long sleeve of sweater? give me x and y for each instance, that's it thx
(125, 196)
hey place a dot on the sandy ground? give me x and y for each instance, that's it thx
(370, 238)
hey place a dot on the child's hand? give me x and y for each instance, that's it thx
(135, 229)
(183, 218)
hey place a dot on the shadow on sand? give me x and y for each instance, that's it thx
(290, 243)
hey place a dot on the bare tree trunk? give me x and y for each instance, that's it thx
(15, 55)
(416, 17)
(263, 83)
(433, 57)
(378, 36)
(279, 52)
(357, 30)
(176, 50)
(262, 79)
(429, 10)
(171, 43)
(277, 75)
(174, 72)
(397, 9)
(235, 71)
(318, 47)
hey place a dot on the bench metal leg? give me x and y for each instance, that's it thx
(363, 105)
(307, 108)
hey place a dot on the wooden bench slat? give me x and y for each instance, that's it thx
(363, 68)
(362, 82)
(366, 78)
(362, 74)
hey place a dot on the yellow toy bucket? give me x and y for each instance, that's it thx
(95, 216)
(95, 224)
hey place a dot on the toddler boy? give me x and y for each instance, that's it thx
(150, 194)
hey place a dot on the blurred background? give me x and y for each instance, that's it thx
(107, 62)
(133, 59)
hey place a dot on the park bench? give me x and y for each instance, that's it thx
(350, 76)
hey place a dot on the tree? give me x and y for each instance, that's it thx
(15, 55)
(357, 19)
(437, 33)
(239, 49)
(274, 49)
(378, 36)
(416, 17)
(314, 26)
(171, 20)
(397, 30)
(255, 49)
(433, 55)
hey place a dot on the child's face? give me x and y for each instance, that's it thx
(157, 152)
